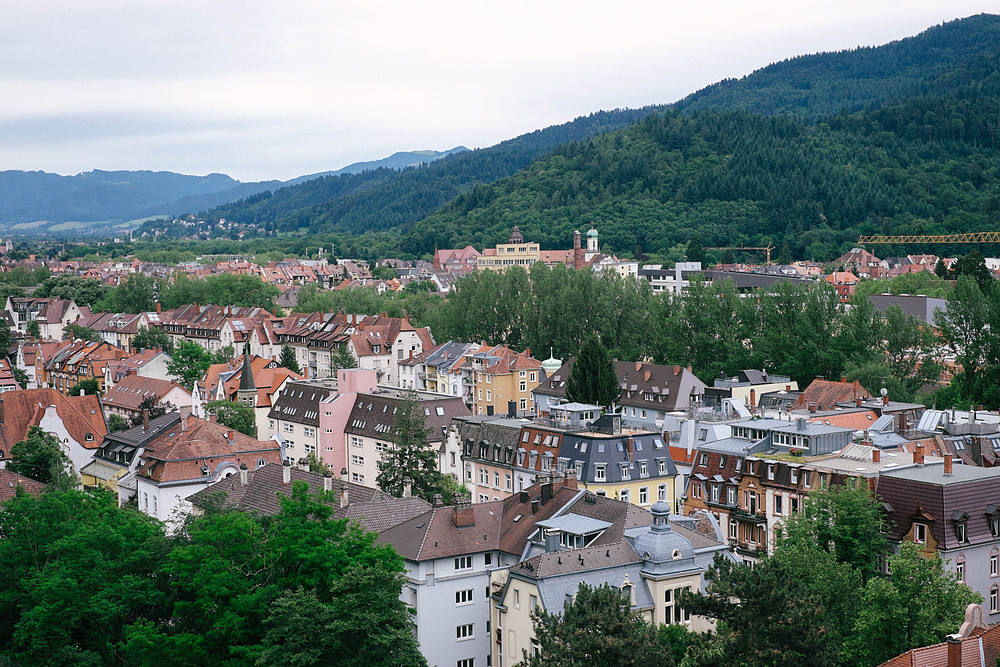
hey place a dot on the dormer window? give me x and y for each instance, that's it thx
(993, 516)
(960, 521)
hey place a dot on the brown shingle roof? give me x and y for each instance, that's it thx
(132, 390)
(181, 453)
(22, 409)
(9, 481)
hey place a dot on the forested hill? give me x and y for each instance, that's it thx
(829, 83)
(384, 199)
(940, 61)
(733, 177)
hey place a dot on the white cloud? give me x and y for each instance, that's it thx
(274, 90)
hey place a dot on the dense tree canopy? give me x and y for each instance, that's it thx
(821, 597)
(596, 627)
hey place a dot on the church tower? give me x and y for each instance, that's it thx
(247, 393)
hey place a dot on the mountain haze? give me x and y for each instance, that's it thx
(665, 175)
(27, 196)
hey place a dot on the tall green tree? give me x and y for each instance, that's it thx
(767, 616)
(40, 456)
(844, 520)
(89, 387)
(304, 631)
(152, 339)
(597, 627)
(76, 331)
(234, 415)
(342, 358)
(136, 294)
(695, 252)
(409, 454)
(189, 362)
(593, 379)
(288, 359)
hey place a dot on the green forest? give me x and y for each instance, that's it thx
(806, 154)
(86, 583)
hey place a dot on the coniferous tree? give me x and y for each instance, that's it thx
(593, 379)
(288, 359)
(409, 454)
(596, 628)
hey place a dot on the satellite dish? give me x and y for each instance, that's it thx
(884, 391)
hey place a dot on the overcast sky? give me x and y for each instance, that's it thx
(268, 89)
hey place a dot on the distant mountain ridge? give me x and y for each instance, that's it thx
(939, 61)
(98, 195)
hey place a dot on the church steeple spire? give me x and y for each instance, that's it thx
(247, 393)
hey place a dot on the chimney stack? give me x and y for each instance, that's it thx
(843, 379)
(885, 400)
(546, 492)
(244, 474)
(571, 481)
(954, 650)
(343, 494)
(534, 506)
(857, 402)
(407, 487)
(462, 513)
(918, 455)
(304, 464)
(948, 465)
(438, 501)
(185, 412)
(800, 424)
(328, 481)
(876, 455)
(286, 472)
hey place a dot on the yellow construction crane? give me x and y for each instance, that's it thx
(766, 249)
(970, 237)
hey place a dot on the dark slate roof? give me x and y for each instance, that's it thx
(137, 436)
(638, 382)
(373, 415)
(927, 490)
(299, 402)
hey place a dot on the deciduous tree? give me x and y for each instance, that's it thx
(234, 415)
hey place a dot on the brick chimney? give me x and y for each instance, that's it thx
(462, 513)
(438, 501)
(571, 481)
(638, 365)
(918, 455)
(876, 454)
(954, 650)
(948, 464)
(885, 400)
